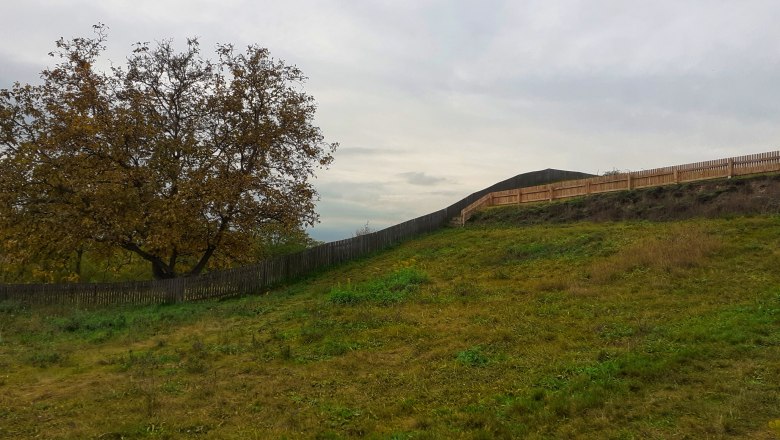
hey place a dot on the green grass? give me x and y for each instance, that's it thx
(579, 330)
(390, 289)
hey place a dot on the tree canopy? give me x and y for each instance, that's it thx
(174, 157)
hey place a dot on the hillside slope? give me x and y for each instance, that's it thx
(707, 199)
(531, 178)
(577, 330)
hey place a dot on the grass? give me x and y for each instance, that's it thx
(390, 289)
(578, 330)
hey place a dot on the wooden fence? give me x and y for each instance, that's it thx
(529, 187)
(258, 277)
(712, 169)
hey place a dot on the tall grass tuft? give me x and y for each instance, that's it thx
(682, 248)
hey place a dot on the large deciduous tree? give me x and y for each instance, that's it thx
(173, 156)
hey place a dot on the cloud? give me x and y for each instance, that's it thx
(469, 93)
(420, 178)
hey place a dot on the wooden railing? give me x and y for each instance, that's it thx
(712, 169)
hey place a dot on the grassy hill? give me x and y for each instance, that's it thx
(622, 330)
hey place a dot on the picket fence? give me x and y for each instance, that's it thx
(712, 169)
(258, 277)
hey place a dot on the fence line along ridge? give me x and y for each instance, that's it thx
(711, 169)
(528, 187)
(262, 275)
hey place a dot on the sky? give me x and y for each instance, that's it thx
(431, 100)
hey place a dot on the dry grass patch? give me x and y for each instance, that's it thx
(677, 249)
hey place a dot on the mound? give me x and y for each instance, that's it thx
(708, 199)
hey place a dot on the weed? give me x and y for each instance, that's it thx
(615, 331)
(466, 289)
(195, 429)
(502, 274)
(285, 352)
(9, 307)
(340, 416)
(335, 348)
(46, 358)
(195, 365)
(533, 250)
(194, 359)
(174, 387)
(311, 333)
(230, 348)
(473, 357)
(391, 289)
(88, 322)
(142, 368)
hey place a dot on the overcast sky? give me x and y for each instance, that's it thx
(433, 100)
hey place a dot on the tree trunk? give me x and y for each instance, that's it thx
(204, 260)
(160, 270)
(79, 255)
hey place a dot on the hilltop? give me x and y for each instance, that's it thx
(705, 199)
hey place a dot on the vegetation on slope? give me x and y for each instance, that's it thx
(711, 199)
(578, 330)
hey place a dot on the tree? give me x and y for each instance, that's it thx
(172, 157)
(363, 230)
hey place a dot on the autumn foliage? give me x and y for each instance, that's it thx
(179, 159)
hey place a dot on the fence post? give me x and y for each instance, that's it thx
(552, 193)
(731, 167)
(180, 289)
(629, 181)
(676, 176)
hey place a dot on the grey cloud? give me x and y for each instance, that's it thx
(449, 194)
(12, 71)
(751, 98)
(353, 191)
(484, 90)
(420, 178)
(363, 152)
